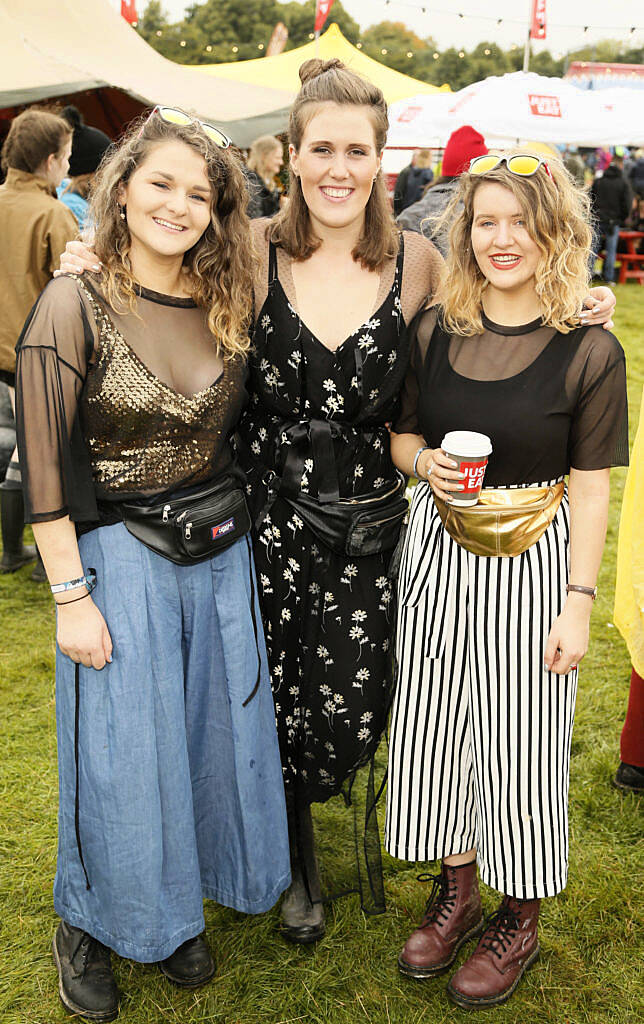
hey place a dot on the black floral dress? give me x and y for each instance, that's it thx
(317, 423)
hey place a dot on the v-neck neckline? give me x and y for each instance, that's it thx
(314, 337)
(146, 369)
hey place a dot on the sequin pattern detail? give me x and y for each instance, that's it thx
(144, 436)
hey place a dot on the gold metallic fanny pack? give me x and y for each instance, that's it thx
(505, 522)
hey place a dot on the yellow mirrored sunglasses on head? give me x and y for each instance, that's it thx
(522, 164)
(172, 115)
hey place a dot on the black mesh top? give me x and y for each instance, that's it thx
(548, 401)
(119, 406)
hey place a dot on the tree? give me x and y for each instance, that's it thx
(224, 24)
(453, 69)
(398, 41)
(157, 30)
(545, 64)
(300, 19)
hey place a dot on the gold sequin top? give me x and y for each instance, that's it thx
(119, 406)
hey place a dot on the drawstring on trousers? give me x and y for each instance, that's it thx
(77, 767)
(254, 618)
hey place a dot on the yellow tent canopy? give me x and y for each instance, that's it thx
(282, 70)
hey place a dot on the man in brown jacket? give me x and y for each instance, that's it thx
(34, 229)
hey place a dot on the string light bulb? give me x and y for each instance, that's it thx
(435, 56)
(182, 43)
(384, 53)
(461, 54)
(159, 32)
(409, 53)
(235, 49)
(260, 46)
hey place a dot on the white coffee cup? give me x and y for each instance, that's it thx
(470, 450)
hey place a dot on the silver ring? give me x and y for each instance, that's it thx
(430, 470)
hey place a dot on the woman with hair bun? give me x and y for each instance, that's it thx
(494, 606)
(130, 385)
(335, 295)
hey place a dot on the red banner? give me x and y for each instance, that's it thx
(322, 8)
(128, 11)
(538, 26)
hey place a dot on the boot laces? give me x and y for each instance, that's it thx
(92, 954)
(500, 929)
(441, 900)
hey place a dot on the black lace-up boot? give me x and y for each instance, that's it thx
(507, 947)
(86, 984)
(452, 916)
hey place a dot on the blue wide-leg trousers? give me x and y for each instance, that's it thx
(170, 789)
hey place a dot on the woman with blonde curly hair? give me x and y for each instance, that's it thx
(130, 384)
(265, 161)
(493, 619)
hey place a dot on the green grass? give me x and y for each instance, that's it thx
(591, 936)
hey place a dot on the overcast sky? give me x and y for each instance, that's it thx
(606, 19)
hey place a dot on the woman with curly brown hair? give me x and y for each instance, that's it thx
(495, 600)
(130, 384)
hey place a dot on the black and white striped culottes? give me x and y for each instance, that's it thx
(480, 734)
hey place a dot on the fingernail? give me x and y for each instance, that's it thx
(462, 475)
(595, 310)
(454, 465)
(96, 266)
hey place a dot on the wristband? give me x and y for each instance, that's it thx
(61, 604)
(588, 591)
(418, 455)
(88, 580)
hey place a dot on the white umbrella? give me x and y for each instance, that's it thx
(509, 108)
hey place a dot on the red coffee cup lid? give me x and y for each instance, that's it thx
(466, 444)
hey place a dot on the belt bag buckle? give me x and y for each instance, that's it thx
(505, 522)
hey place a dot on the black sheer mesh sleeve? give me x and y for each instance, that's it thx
(599, 430)
(408, 421)
(53, 354)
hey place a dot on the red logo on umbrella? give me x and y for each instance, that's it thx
(545, 106)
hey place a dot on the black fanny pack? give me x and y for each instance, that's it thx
(356, 526)
(194, 528)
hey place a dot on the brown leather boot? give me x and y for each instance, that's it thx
(507, 947)
(452, 916)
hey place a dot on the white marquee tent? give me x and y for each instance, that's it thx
(520, 107)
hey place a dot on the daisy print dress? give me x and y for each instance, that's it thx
(316, 424)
